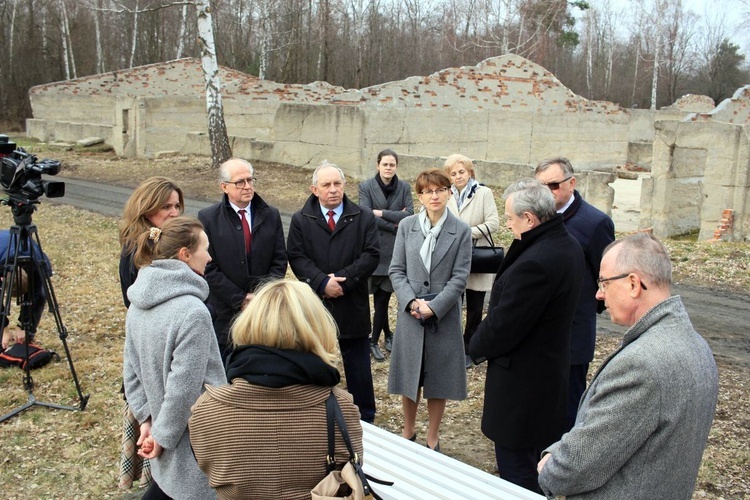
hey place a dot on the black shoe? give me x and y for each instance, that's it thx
(377, 354)
(389, 342)
(436, 448)
(469, 362)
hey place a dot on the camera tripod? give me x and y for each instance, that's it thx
(24, 253)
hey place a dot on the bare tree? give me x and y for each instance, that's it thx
(217, 129)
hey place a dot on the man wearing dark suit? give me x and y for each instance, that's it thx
(526, 334)
(245, 253)
(594, 230)
(333, 247)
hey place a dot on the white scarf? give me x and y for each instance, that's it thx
(431, 234)
(466, 192)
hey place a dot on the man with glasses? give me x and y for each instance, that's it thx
(526, 334)
(334, 247)
(644, 420)
(594, 230)
(246, 243)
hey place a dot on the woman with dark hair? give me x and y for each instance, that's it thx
(431, 261)
(170, 352)
(265, 435)
(390, 201)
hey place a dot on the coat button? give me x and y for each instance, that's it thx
(426, 283)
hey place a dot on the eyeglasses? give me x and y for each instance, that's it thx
(433, 192)
(601, 281)
(554, 186)
(242, 182)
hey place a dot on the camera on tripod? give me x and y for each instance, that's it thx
(21, 173)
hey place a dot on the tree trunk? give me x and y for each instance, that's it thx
(217, 129)
(183, 28)
(64, 40)
(135, 36)
(97, 29)
(655, 76)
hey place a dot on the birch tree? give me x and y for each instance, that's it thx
(217, 129)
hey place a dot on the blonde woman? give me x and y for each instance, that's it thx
(153, 202)
(475, 205)
(170, 352)
(265, 435)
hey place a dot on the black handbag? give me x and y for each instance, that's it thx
(486, 259)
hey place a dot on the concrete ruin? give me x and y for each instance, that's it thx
(507, 113)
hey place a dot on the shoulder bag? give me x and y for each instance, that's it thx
(486, 259)
(349, 483)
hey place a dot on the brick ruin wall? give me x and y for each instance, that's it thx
(506, 113)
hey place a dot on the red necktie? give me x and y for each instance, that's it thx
(331, 222)
(246, 231)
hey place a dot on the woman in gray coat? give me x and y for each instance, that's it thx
(390, 201)
(170, 353)
(428, 355)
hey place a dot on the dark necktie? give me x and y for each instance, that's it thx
(331, 222)
(246, 231)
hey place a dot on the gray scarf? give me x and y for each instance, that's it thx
(431, 234)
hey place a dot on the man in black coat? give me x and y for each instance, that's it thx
(594, 230)
(333, 246)
(526, 334)
(245, 253)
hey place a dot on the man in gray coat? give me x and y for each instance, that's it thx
(644, 420)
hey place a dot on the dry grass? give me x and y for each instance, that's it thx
(56, 454)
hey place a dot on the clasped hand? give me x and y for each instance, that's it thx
(420, 309)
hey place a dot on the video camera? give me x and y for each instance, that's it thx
(21, 173)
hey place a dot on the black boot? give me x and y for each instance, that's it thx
(388, 341)
(377, 354)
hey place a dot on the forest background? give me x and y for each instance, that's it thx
(637, 53)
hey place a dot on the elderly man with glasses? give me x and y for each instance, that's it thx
(594, 230)
(643, 423)
(246, 243)
(526, 334)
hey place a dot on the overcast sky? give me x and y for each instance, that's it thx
(733, 11)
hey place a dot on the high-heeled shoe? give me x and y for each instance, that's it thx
(436, 448)
(413, 438)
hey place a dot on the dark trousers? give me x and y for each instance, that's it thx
(576, 386)
(474, 310)
(518, 466)
(155, 493)
(380, 301)
(356, 354)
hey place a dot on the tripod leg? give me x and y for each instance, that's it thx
(27, 259)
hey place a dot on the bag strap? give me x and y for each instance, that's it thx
(334, 414)
(487, 236)
(330, 422)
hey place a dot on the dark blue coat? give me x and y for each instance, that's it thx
(232, 274)
(594, 230)
(351, 251)
(526, 338)
(42, 271)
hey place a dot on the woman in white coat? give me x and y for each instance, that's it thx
(431, 260)
(475, 205)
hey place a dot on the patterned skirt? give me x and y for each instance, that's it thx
(132, 467)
